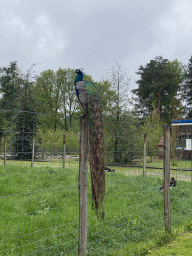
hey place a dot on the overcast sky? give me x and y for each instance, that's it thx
(94, 34)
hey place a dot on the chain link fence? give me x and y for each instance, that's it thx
(39, 192)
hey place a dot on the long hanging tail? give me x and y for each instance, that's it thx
(96, 159)
(96, 148)
(91, 105)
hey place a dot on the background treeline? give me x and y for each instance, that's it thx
(47, 105)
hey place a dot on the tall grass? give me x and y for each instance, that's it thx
(39, 212)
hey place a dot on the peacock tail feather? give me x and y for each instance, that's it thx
(91, 105)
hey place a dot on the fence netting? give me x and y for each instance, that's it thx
(39, 199)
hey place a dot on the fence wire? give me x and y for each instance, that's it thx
(39, 213)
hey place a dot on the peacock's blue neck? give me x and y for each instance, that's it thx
(79, 77)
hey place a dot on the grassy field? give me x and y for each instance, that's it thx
(182, 245)
(39, 211)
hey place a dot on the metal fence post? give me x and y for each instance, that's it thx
(83, 168)
(144, 153)
(64, 142)
(167, 211)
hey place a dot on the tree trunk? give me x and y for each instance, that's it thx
(65, 121)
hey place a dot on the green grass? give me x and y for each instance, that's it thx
(175, 164)
(39, 212)
(182, 245)
(179, 165)
(69, 163)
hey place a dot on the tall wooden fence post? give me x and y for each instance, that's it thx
(33, 150)
(64, 143)
(144, 153)
(191, 170)
(83, 168)
(167, 211)
(5, 137)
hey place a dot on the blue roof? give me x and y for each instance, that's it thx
(186, 121)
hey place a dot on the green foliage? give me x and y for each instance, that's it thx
(188, 88)
(47, 94)
(127, 131)
(52, 141)
(56, 98)
(10, 87)
(119, 85)
(159, 86)
(154, 130)
(25, 120)
(18, 109)
(25, 127)
(68, 103)
(108, 96)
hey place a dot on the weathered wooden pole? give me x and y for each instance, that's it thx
(191, 171)
(167, 211)
(33, 150)
(5, 137)
(64, 143)
(144, 153)
(83, 168)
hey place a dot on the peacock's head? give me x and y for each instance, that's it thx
(79, 76)
(78, 71)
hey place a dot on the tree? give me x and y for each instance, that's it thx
(128, 132)
(119, 84)
(68, 104)
(56, 97)
(10, 89)
(154, 130)
(108, 96)
(174, 108)
(188, 88)
(47, 94)
(26, 119)
(52, 142)
(159, 86)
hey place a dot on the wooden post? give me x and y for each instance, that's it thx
(64, 142)
(83, 168)
(191, 170)
(42, 146)
(33, 150)
(5, 137)
(144, 153)
(151, 155)
(43, 153)
(167, 211)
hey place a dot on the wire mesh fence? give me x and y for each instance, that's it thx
(39, 196)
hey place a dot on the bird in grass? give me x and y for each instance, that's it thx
(90, 103)
(173, 183)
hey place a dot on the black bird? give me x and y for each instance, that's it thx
(108, 169)
(173, 183)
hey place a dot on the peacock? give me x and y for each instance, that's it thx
(90, 103)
